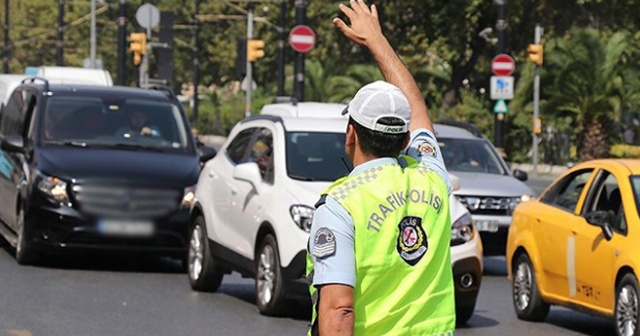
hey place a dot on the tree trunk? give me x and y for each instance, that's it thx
(593, 141)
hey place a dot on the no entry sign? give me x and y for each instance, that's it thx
(302, 39)
(503, 65)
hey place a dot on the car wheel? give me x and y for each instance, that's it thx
(25, 253)
(463, 314)
(627, 306)
(269, 289)
(204, 276)
(526, 298)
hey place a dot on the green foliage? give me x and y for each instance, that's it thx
(625, 151)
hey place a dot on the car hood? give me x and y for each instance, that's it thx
(307, 193)
(479, 184)
(139, 167)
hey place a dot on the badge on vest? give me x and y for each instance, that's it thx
(412, 240)
(324, 243)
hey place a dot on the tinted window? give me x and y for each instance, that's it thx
(238, 147)
(566, 192)
(262, 154)
(11, 120)
(316, 156)
(98, 121)
(469, 155)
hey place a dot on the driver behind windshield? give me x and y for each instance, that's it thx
(138, 126)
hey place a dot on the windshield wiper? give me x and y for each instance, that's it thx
(67, 143)
(138, 147)
(302, 178)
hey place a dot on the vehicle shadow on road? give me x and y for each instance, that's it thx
(580, 322)
(495, 266)
(478, 321)
(294, 309)
(103, 261)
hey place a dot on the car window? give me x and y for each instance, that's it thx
(470, 155)
(11, 120)
(566, 192)
(238, 147)
(262, 154)
(605, 196)
(316, 156)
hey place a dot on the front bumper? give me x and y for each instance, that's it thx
(64, 228)
(493, 242)
(467, 277)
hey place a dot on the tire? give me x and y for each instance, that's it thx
(527, 302)
(204, 275)
(269, 284)
(463, 314)
(25, 253)
(626, 311)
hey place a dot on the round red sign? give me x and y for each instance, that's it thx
(503, 65)
(302, 38)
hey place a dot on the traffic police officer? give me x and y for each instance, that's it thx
(379, 255)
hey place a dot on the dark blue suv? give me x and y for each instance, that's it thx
(109, 168)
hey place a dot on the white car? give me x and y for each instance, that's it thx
(255, 203)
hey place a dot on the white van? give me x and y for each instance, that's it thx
(72, 75)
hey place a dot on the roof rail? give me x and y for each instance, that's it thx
(285, 99)
(161, 87)
(467, 126)
(32, 79)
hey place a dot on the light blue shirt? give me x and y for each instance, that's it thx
(339, 267)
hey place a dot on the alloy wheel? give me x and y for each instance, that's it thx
(627, 311)
(196, 253)
(266, 275)
(522, 287)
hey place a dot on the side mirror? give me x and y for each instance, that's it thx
(520, 175)
(206, 153)
(249, 172)
(455, 182)
(13, 143)
(601, 218)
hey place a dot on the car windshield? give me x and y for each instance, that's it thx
(469, 155)
(135, 123)
(316, 156)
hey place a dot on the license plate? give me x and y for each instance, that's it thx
(126, 228)
(486, 225)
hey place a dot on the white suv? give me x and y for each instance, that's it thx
(255, 203)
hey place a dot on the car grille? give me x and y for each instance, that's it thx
(119, 201)
(479, 205)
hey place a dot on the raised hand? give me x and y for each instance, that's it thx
(365, 27)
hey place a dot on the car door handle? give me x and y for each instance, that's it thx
(212, 174)
(233, 189)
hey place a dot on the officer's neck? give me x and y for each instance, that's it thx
(361, 158)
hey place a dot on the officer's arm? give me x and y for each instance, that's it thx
(335, 310)
(365, 30)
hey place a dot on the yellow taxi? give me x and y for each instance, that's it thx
(578, 245)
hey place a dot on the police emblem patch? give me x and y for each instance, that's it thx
(412, 240)
(324, 243)
(426, 149)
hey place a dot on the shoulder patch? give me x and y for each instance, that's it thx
(324, 243)
(426, 149)
(321, 201)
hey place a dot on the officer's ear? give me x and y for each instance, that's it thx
(350, 139)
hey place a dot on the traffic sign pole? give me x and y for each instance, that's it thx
(536, 103)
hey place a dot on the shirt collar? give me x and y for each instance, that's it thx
(372, 164)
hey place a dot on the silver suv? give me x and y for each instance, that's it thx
(487, 187)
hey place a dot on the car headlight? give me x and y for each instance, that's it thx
(189, 196)
(462, 230)
(526, 198)
(302, 215)
(55, 188)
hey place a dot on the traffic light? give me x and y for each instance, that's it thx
(536, 52)
(255, 50)
(138, 46)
